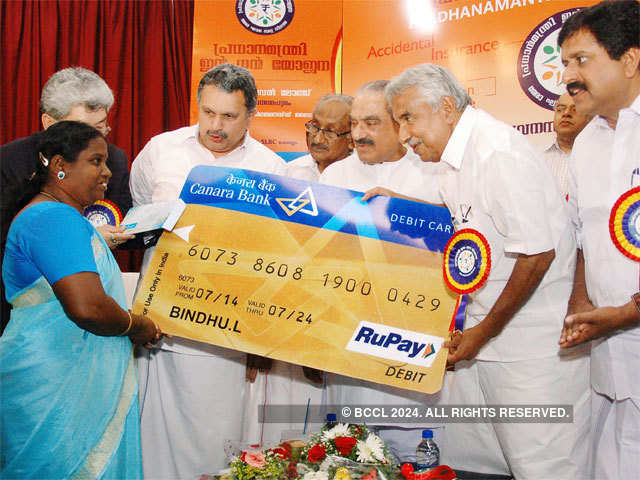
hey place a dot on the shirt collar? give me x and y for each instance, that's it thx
(554, 147)
(457, 144)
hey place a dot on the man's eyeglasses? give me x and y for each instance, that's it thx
(330, 135)
(566, 108)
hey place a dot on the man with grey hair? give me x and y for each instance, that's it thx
(73, 93)
(493, 181)
(328, 138)
(192, 393)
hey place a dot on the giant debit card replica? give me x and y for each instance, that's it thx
(308, 274)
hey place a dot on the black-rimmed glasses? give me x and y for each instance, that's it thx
(330, 135)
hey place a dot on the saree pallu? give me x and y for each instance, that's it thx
(68, 398)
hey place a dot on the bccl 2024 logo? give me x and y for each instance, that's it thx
(265, 17)
(539, 62)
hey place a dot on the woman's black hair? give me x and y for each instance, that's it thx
(65, 138)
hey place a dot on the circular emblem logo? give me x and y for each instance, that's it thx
(624, 224)
(265, 17)
(467, 261)
(103, 212)
(539, 62)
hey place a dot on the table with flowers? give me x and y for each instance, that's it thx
(338, 452)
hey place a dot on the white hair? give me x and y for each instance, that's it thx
(74, 86)
(434, 81)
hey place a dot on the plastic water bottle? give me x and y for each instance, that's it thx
(427, 453)
(332, 421)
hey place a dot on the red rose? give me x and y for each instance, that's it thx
(282, 453)
(345, 445)
(317, 453)
(243, 457)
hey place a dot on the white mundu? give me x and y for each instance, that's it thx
(191, 393)
(605, 164)
(493, 181)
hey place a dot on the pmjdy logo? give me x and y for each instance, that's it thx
(265, 17)
(539, 62)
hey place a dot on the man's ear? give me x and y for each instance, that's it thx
(251, 114)
(47, 120)
(448, 108)
(631, 61)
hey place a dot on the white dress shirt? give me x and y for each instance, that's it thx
(558, 162)
(303, 168)
(604, 165)
(494, 182)
(159, 172)
(408, 176)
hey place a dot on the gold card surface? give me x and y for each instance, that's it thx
(316, 296)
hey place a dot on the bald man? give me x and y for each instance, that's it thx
(328, 138)
(567, 123)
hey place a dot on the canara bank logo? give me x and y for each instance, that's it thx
(395, 344)
(305, 199)
(265, 17)
(539, 63)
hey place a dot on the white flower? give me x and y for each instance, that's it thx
(316, 476)
(326, 464)
(371, 450)
(340, 430)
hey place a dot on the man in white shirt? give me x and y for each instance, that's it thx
(191, 392)
(328, 138)
(380, 160)
(601, 52)
(493, 181)
(567, 123)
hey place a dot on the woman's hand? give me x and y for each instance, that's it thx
(114, 236)
(144, 331)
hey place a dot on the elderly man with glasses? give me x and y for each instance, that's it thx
(328, 138)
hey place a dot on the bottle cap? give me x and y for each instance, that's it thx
(331, 417)
(427, 433)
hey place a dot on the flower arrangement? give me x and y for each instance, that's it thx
(345, 452)
(273, 464)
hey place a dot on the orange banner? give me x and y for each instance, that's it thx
(292, 48)
(503, 51)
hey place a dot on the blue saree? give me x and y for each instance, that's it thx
(68, 398)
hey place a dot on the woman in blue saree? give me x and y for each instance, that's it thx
(68, 389)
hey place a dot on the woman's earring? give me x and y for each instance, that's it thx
(61, 175)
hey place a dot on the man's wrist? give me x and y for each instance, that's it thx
(630, 312)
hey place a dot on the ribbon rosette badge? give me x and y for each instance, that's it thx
(467, 261)
(103, 212)
(624, 224)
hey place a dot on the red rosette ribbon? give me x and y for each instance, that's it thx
(317, 453)
(345, 445)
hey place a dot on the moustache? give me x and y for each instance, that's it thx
(217, 133)
(364, 141)
(573, 85)
(414, 141)
(319, 146)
